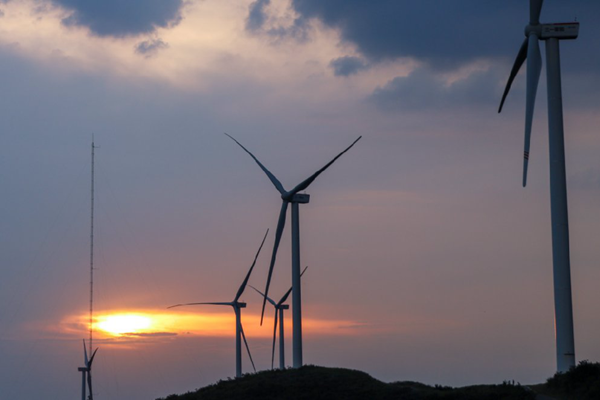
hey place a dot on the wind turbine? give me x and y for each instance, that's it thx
(237, 308)
(279, 307)
(86, 372)
(530, 51)
(295, 199)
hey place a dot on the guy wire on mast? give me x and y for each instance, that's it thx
(92, 253)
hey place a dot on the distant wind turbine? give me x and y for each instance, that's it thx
(237, 308)
(294, 198)
(86, 373)
(530, 51)
(279, 307)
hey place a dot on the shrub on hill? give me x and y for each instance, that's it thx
(581, 382)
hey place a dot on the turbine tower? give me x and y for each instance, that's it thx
(279, 307)
(530, 51)
(295, 198)
(237, 308)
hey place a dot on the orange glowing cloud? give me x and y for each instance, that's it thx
(146, 323)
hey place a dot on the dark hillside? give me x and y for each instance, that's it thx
(313, 383)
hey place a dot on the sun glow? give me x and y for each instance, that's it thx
(120, 324)
(135, 324)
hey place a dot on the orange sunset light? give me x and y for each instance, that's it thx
(119, 324)
(132, 323)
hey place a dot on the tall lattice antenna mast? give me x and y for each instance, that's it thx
(92, 253)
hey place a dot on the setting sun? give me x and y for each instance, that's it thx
(124, 323)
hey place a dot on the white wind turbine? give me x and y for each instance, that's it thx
(237, 308)
(530, 51)
(294, 197)
(279, 307)
(86, 373)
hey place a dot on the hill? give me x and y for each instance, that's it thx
(314, 383)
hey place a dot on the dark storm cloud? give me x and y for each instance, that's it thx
(256, 15)
(346, 66)
(424, 90)
(446, 34)
(122, 18)
(150, 47)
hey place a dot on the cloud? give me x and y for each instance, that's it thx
(122, 18)
(444, 34)
(1, 11)
(423, 89)
(150, 47)
(257, 15)
(150, 334)
(348, 65)
(394, 29)
(265, 19)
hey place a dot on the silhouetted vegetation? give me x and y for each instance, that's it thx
(312, 383)
(579, 383)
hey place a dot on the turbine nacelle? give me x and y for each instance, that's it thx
(239, 305)
(292, 197)
(562, 31)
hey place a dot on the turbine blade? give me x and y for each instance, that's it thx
(285, 296)
(243, 286)
(304, 184)
(274, 336)
(278, 232)
(85, 357)
(535, 9)
(262, 294)
(196, 304)
(92, 359)
(89, 382)
(247, 348)
(272, 177)
(521, 56)
(534, 68)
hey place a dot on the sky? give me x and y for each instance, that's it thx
(428, 260)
